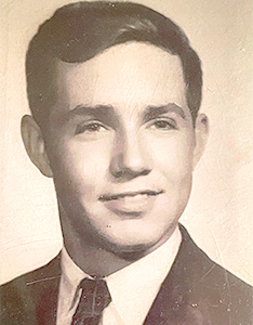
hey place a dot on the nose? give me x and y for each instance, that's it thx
(129, 158)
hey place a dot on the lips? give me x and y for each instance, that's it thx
(130, 203)
(110, 197)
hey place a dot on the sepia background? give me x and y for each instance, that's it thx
(220, 212)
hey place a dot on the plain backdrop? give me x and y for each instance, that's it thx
(219, 214)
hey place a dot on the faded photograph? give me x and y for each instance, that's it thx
(127, 170)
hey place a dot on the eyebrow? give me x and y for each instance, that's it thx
(155, 111)
(89, 110)
(106, 113)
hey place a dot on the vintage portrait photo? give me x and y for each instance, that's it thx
(126, 162)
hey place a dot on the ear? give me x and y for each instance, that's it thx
(34, 145)
(201, 136)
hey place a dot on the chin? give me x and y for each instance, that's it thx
(130, 252)
(133, 245)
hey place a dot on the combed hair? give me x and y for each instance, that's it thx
(77, 32)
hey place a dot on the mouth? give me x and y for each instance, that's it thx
(130, 204)
(111, 197)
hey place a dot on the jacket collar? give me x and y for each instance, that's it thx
(174, 302)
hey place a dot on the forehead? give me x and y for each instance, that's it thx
(130, 74)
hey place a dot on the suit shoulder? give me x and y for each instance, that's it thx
(43, 273)
(213, 289)
(211, 273)
(19, 297)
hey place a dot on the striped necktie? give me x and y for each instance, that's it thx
(95, 297)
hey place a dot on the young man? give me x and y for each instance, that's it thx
(114, 90)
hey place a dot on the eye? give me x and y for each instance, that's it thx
(164, 124)
(90, 127)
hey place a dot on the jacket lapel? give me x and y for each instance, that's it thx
(45, 292)
(174, 303)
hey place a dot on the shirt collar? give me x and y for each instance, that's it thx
(70, 271)
(133, 288)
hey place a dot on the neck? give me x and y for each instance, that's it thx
(92, 260)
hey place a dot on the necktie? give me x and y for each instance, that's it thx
(95, 297)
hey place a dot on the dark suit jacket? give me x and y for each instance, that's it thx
(196, 291)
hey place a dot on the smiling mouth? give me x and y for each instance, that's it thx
(111, 197)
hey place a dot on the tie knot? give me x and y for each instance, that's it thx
(95, 297)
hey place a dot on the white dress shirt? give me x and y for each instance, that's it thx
(133, 288)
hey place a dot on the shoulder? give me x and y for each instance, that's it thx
(198, 291)
(21, 297)
(41, 277)
(210, 288)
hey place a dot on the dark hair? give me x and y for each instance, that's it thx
(79, 31)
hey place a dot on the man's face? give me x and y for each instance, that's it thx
(121, 146)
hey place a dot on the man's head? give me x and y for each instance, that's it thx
(116, 109)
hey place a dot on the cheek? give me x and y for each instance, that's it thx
(173, 156)
(81, 165)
